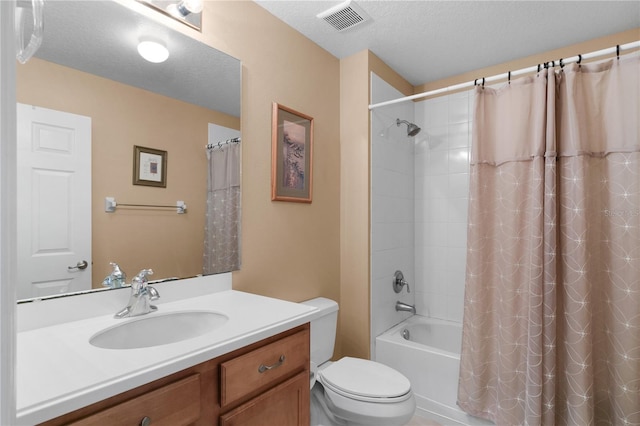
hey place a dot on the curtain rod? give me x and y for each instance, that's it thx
(578, 58)
(220, 144)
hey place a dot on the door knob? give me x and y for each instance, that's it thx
(80, 265)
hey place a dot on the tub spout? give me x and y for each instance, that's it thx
(403, 307)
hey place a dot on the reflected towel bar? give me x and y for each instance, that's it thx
(110, 205)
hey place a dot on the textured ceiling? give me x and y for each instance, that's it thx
(422, 40)
(430, 40)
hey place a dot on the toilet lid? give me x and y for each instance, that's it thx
(363, 378)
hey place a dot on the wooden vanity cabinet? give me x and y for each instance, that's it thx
(266, 383)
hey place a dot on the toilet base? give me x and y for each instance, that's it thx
(323, 412)
(320, 414)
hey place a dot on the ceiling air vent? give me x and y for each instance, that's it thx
(344, 16)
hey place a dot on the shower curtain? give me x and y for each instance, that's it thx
(222, 223)
(551, 329)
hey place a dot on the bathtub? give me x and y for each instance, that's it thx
(427, 352)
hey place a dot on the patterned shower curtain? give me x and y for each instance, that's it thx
(222, 223)
(551, 329)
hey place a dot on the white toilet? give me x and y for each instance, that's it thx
(352, 391)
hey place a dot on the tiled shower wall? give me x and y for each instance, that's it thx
(419, 195)
(441, 197)
(392, 207)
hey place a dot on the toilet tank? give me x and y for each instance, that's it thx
(323, 329)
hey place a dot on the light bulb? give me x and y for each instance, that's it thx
(193, 6)
(153, 51)
(185, 7)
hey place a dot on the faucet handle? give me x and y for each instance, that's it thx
(399, 282)
(153, 293)
(140, 280)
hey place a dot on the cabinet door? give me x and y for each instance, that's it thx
(285, 405)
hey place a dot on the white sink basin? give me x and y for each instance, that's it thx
(157, 329)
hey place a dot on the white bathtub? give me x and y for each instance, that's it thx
(430, 358)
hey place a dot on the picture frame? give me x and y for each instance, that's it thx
(291, 155)
(149, 167)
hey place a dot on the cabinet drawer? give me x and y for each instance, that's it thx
(262, 367)
(176, 404)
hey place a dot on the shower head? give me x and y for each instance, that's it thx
(412, 129)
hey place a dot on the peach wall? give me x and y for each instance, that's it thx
(354, 202)
(289, 250)
(125, 116)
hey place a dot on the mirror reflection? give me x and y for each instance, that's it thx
(86, 99)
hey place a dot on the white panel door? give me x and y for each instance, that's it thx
(54, 202)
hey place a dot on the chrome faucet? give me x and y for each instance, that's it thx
(403, 307)
(141, 296)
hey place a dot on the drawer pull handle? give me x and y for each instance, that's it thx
(264, 368)
(146, 421)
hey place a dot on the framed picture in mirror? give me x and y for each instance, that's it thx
(291, 155)
(149, 167)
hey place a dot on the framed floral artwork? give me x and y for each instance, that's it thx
(291, 155)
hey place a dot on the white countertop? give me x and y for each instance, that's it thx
(58, 371)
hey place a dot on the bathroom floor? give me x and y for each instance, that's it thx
(421, 421)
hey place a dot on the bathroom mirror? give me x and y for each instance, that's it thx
(88, 66)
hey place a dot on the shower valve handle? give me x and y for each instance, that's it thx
(399, 282)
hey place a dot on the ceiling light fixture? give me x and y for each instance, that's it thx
(185, 7)
(153, 51)
(189, 12)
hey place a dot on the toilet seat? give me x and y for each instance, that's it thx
(366, 381)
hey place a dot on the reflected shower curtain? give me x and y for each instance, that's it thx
(551, 329)
(222, 223)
